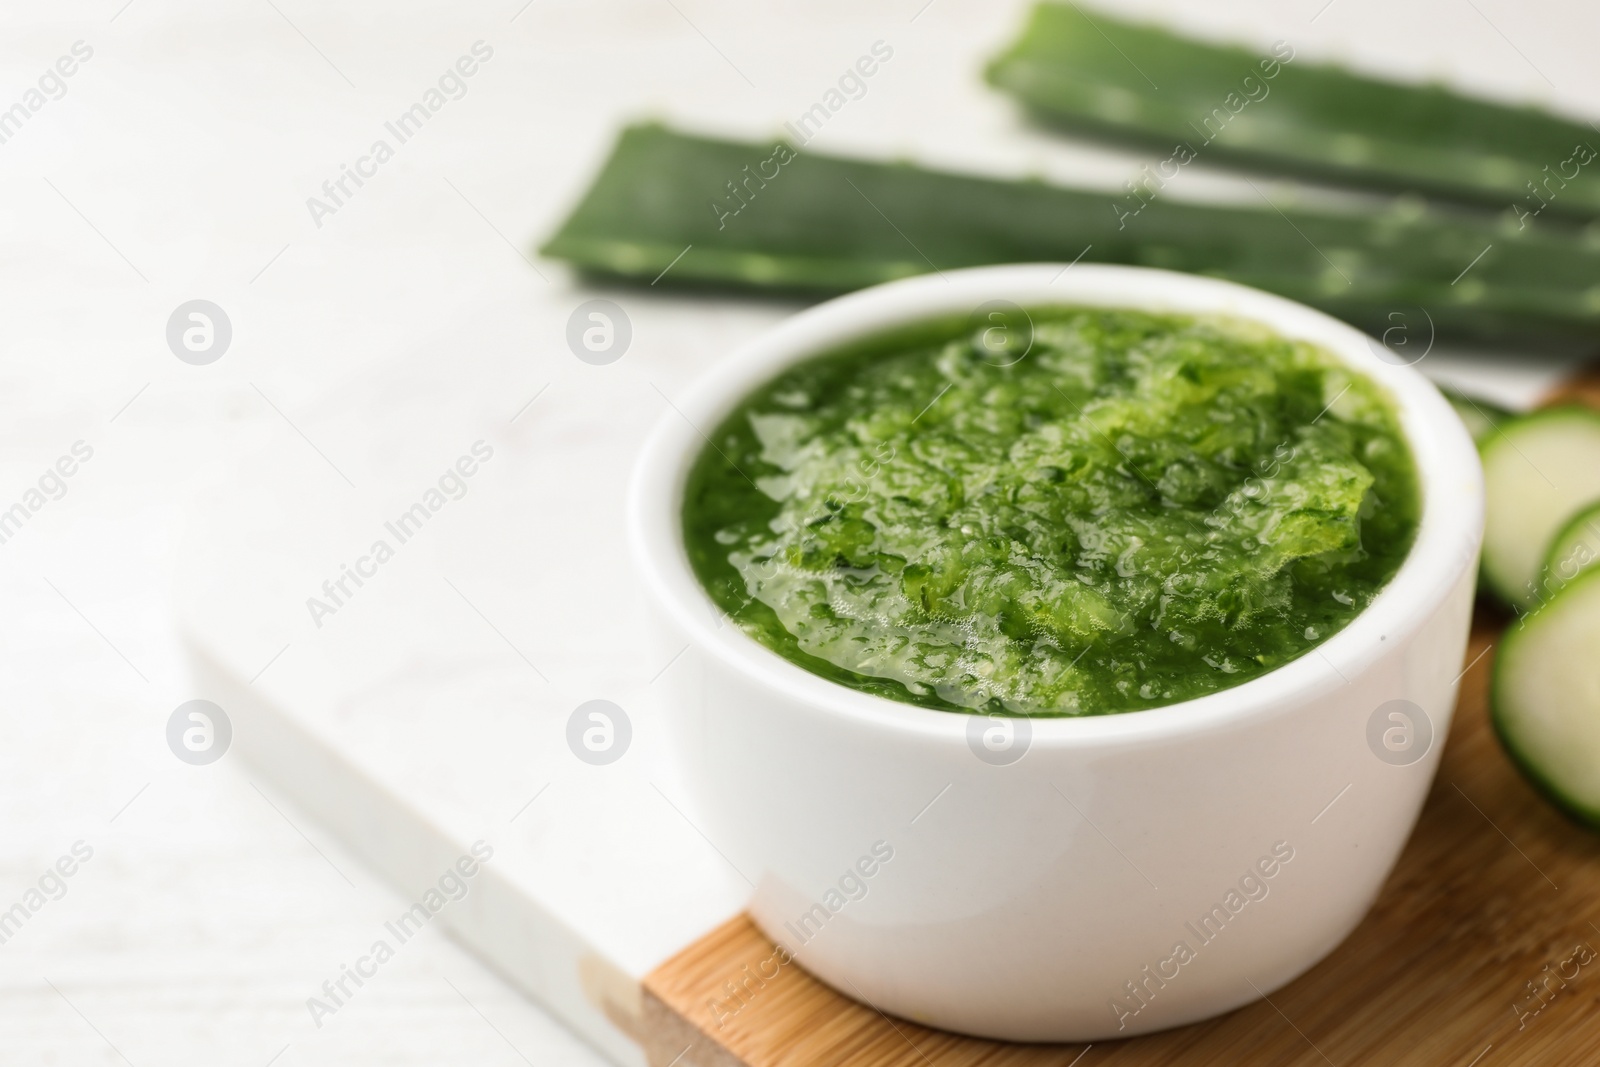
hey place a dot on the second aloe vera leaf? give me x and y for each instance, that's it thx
(1273, 109)
(685, 209)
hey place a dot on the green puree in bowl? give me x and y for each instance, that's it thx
(1119, 511)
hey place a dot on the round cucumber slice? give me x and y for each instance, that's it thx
(1544, 698)
(1481, 417)
(1575, 549)
(1539, 470)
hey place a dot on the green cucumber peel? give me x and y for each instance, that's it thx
(1575, 549)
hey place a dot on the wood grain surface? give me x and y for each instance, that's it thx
(1460, 961)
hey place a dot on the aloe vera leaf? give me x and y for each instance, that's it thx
(1142, 83)
(661, 210)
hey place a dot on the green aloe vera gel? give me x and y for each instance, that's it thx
(1110, 510)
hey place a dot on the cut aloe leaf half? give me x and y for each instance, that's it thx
(673, 209)
(1270, 108)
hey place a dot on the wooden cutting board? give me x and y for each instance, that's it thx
(1494, 891)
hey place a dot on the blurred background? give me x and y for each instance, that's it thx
(176, 164)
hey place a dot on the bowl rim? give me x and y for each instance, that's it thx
(1450, 481)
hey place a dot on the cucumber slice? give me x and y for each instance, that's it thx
(1481, 417)
(1575, 549)
(1543, 700)
(1539, 471)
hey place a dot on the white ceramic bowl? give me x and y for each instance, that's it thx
(1046, 899)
